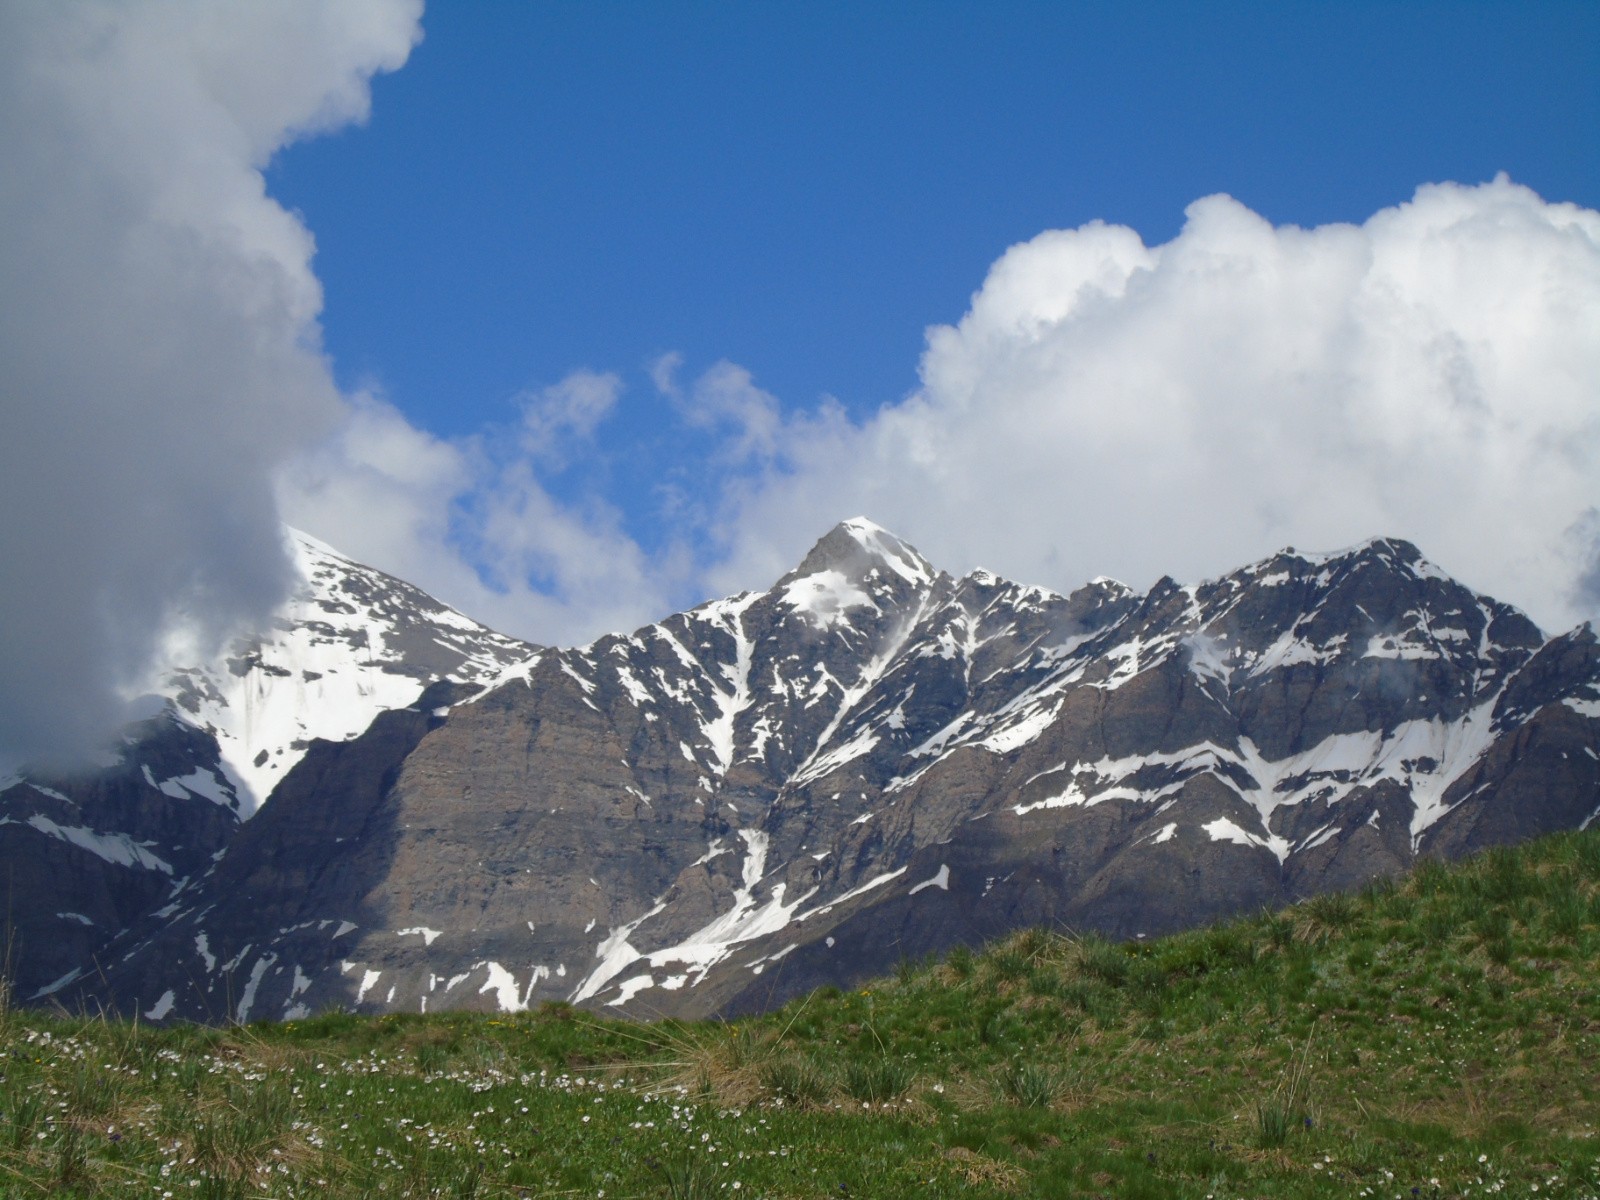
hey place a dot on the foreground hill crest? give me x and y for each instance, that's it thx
(871, 760)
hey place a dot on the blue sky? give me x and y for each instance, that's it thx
(579, 314)
(802, 189)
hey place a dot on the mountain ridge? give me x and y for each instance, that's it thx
(873, 759)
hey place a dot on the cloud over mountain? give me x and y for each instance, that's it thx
(1104, 407)
(159, 349)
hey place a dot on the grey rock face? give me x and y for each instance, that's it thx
(875, 760)
(83, 856)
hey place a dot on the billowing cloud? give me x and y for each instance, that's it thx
(1107, 407)
(158, 340)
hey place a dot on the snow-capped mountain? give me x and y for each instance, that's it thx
(871, 760)
(352, 642)
(88, 854)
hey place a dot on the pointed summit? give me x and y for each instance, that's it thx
(856, 546)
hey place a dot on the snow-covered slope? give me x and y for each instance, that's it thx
(352, 642)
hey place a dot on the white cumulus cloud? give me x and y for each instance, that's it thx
(1107, 407)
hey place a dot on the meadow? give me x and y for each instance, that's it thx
(1430, 1038)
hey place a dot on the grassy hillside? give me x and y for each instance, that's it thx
(1439, 1038)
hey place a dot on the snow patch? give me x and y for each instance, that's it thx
(871, 885)
(719, 732)
(504, 986)
(1326, 834)
(116, 848)
(1397, 647)
(860, 743)
(51, 989)
(199, 782)
(825, 597)
(714, 941)
(248, 999)
(1021, 731)
(1224, 830)
(615, 954)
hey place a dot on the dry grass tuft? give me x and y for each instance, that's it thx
(979, 1170)
(723, 1063)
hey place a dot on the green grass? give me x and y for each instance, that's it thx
(1434, 1038)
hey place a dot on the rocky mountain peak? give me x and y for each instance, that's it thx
(1395, 550)
(1390, 552)
(855, 548)
(350, 643)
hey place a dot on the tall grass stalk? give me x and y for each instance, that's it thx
(1288, 1106)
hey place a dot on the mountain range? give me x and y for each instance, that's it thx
(378, 804)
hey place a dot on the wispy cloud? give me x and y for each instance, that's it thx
(474, 521)
(725, 401)
(565, 415)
